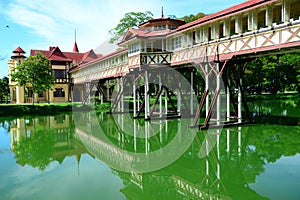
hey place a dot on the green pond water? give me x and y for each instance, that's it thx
(90, 156)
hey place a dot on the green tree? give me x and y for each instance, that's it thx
(130, 20)
(35, 72)
(4, 88)
(253, 76)
(191, 17)
(291, 66)
(37, 149)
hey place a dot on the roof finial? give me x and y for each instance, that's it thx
(162, 12)
(75, 48)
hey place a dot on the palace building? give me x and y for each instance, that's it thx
(249, 29)
(61, 62)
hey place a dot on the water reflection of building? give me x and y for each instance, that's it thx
(56, 129)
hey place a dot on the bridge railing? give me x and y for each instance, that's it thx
(271, 38)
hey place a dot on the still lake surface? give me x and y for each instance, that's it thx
(100, 156)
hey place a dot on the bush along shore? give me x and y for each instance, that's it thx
(7, 110)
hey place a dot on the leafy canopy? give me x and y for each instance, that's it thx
(130, 20)
(191, 17)
(35, 72)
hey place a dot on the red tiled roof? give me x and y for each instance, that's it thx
(99, 59)
(89, 56)
(75, 57)
(132, 33)
(46, 53)
(19, 50)
(55, 54)
(226, 12)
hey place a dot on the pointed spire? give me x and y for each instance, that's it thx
(75, 48)
(162, 12)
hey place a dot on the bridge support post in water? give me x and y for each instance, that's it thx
(118, 102)
(134, 94)
(191, 93)
(146, 95)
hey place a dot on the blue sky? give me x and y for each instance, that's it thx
(38, 24)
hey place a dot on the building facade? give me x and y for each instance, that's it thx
(61, 62)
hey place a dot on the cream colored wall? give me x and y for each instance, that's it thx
(60, 99)
(20, 89)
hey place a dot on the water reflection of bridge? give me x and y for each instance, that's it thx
(204, 171)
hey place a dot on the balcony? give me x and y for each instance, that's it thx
(155, 58)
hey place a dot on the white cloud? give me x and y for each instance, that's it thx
(56, 20)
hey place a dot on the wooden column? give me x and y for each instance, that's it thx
(122, 95)
(192, 95)
(228, 101)
(134, 95)
(240, 102)
(179, 97)
(219, 96)
(147, 100)
(160, 97)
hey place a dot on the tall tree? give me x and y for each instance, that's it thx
(35, 72)
(130, 20)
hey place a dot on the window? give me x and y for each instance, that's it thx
(59, 92)
(133, 48)
(176, 42)
(262, 19)
(41, 94)
(59, 74)
(245, 24)
(159, 27)
(232, 27)
(60, 118)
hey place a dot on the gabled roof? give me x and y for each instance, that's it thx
(89, 56)
(55, 54)
(99, 59)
